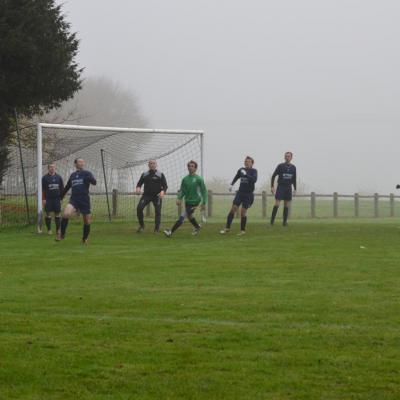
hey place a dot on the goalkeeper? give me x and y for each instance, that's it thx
(194, 191)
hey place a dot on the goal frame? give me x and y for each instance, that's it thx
(39, 149)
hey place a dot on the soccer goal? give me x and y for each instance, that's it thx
(116, 156)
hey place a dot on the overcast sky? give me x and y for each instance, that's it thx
(318, 77)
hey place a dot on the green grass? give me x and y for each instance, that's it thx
(308, 312)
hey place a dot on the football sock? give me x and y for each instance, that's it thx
(48, 223)
(86, 231)
(64, 224)
(243, 221)
(58, 223)
(285, 215)
(229, 220)
(273, 215)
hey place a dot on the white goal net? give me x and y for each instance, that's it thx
(116, 157)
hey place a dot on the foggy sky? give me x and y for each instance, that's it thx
(317, 77)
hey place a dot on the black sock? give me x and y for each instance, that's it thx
(194, 223)
(243, 221)
(48, 223)
(229, 220)
(177, 224)
(140, 217)
(64, 224)
(285, 215)
(86, 231)
(58, 223)
(273, 215)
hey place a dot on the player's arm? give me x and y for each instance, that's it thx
(181, 194)
(140, 184)
(203, 193)
(234, 180)
(44, 190)
(61, 185)
(274, 175)
(66, 189)
(252, 175)
(294, 182)
(164, 185)
(91, 179)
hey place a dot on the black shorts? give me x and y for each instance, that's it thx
(81, 204)
(284, 193)
(53, 205)
(244, 199)
(189, 209)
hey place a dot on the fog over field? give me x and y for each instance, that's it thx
(318, 77)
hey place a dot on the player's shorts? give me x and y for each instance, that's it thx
(246, 200)
(81, 204)
(53, 205)
(189, 209)
(284, 193)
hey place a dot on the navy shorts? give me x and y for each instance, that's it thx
(81, 204)
(244, 199)
(53, 205)
(284, 193)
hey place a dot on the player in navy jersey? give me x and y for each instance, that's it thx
(52, 189)
(155, 187)
(79, 183)
(287, 179)
(244, 196)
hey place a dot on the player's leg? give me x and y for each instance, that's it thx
(192, 220)
(47, 219)
(286, 212)
(157, 202)
(67, 214)
(87, 220)
(275, 210)
(178, 223)
(246, 204)
(57, 220)
(57, 213)
(144, 201)
(237, 201)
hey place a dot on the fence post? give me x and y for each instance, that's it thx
(114, 202)
(264, 204)
(376, 205)
(391, 204)
(313, 205)
(356, 205)
(210, 204)
(335, 205)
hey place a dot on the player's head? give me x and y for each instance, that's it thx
(79, 163)
(288, 156)
(152, 165)
(51, 168)
(192, 166)
(249, 162)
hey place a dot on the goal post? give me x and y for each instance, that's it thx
(117, 156)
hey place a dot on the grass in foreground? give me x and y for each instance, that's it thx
(309, 312)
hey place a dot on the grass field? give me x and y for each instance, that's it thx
(307, 312)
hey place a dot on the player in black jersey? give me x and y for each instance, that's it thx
(287, 178)
(155, 187)
(52, 189)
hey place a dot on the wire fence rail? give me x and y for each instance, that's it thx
(118, 205)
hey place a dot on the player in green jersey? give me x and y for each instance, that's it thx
(194, 192)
